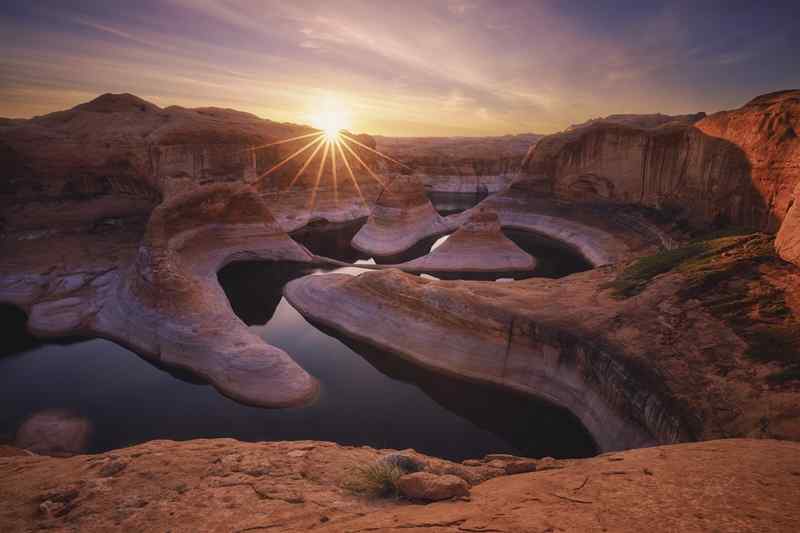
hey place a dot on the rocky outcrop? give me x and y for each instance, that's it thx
(642, 121)
(226, 485)
(736, 167)
(787, 242)
(56, 432)
(636, 371)
(401, 217)
(674, 167)
(601, 233)
(766, 130)
(162, 299)
(477, 246)
(432, 488)
(172, 289)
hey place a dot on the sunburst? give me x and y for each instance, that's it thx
(331, 140)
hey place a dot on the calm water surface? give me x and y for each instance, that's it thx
(368, 397)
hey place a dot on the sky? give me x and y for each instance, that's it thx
(403, 68)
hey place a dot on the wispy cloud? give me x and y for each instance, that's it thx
(415, 68)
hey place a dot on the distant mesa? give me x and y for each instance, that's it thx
(117, 103)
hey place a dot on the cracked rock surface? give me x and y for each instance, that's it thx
(224, 485)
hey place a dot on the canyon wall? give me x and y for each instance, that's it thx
(461, 164)
(733, 167)
(118, 156)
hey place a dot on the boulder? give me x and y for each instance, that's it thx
(520, 466)
(430, 487)
(57, 432)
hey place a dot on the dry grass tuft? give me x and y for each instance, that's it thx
(376, 479)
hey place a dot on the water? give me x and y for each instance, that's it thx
(448, 203)
(368, 397)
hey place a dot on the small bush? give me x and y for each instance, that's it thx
(375, 479)
(725, 274)
(774, 342)
(638, 274)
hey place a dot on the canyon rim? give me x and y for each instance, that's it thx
(307, 267)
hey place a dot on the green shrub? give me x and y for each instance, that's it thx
(639, 273)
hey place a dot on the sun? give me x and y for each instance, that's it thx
(333, 143)
(331, 122)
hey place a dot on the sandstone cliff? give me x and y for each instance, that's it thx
(737, 167)
(461, 164)
(118, 155)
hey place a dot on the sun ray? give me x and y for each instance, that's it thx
(352, 176)
(276, 143)
(305, 166)
(347, 137)
(292, 156)
(319, 175)
(358, 158)
(334, 143)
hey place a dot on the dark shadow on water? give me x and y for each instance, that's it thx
(331, 240)
(254, 289)
(553, 258)
(532, 427)
(450, 203)
(423, 247)
(16, 338)
(15, 332)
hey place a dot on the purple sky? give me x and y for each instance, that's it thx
(458, 67)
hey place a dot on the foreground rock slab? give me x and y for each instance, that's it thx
(223, 485)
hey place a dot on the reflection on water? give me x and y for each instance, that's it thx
(368, 397)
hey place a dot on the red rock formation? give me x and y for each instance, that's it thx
(705, 350)
(737, 166)
(766, 130)
(118, 154)
(163, 300)
(222, 485)
(402, 216)
(477, 246)
(461, 164)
